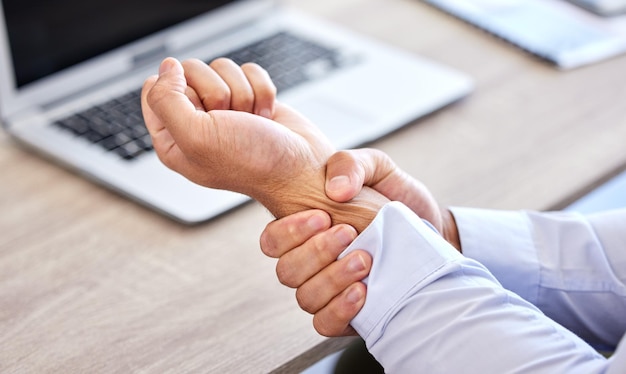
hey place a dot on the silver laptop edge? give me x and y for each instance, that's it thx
(146, 52)
(347, 98)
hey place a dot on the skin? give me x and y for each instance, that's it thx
(312, 242)
(220, 126)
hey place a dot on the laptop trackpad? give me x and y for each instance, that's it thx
(336, 118)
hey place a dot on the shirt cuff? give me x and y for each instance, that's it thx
(503, 242)
(406, 252)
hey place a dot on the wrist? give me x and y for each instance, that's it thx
(450, 231)
(358, 212)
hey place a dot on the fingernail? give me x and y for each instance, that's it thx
(344, 236)
(265, 112)
(167, 65)
(316, 223)
(354, 295)
(356, 264)
(338, 183)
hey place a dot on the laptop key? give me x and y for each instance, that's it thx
(286, 58)
(117, 125)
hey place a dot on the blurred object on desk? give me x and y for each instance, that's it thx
(609, 195)
(605, 8)
(555, 30)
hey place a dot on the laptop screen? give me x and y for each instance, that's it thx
(48, 36)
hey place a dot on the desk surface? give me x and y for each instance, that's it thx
(91, 282)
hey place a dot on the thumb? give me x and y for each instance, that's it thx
(348, 171)
(166, 98)
(344, 176)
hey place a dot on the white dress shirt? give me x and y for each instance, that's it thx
(501, 306)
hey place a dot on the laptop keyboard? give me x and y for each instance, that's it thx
(117, 125)
(290, 60)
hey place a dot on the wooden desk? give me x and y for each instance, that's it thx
(91, 282)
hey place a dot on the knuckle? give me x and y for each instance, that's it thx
(343, 156)
(268, 242)
(218, 98)
(267, 92)
(322, 326)
(292, 229)
(191, 62)
(346, 312)
(318, 247)
(379, 157)
(252, 66)
(156, 94)
(285, 274)
(306, 301)
(356, 265)
(245, 102)
(328, 245)
(268, 88)
(222, 62)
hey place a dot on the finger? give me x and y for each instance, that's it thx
(333, 280)
(263, 87)
(241, 93)
(210, 88)
(194, 98)
(348, 171)
(334, 319)
(166, 103)
(297, 266)
(150, 118)
(383, 175)
(344, 176)
(283, 235)
(161, 138)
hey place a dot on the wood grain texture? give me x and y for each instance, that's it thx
(91, 282)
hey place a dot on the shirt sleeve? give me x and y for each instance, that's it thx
(572, 267)
(430, 309)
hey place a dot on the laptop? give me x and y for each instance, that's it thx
(71, 73)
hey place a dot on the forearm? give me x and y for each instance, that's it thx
(430, 309)
(566, 264)
(463, 321)
(309, 194)
(450, 230)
